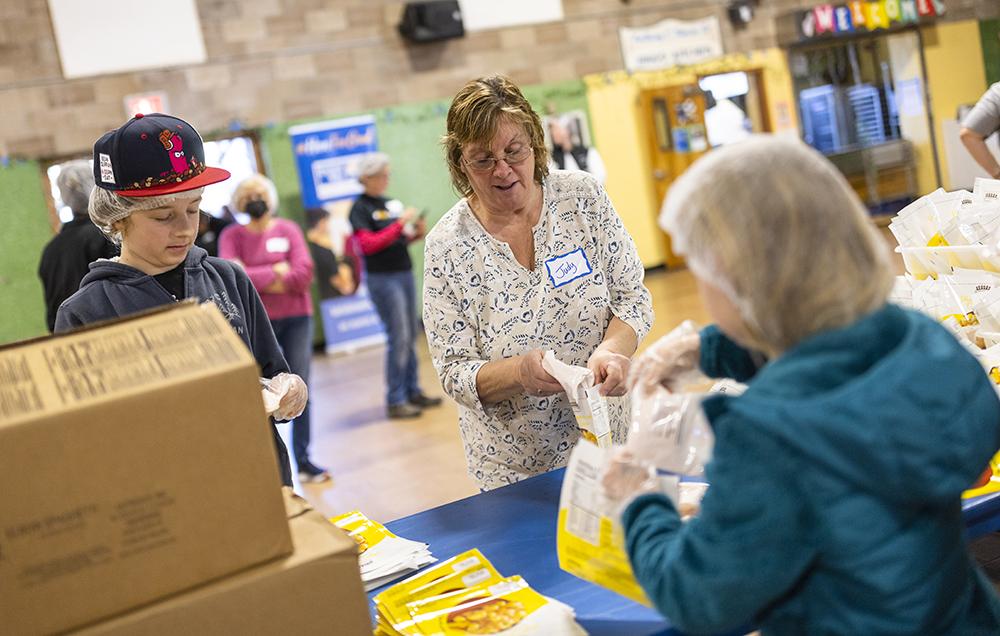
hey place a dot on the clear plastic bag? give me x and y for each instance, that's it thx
(670, 431)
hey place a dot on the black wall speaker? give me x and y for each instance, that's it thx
(431, 20)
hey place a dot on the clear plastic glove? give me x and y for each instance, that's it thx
(669, 430)
(625, 478)
(671, 361)
(610, 370)
(532, 376)
(285, 396)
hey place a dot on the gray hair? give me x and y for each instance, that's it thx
(372, 164)
(107, 208)
(776, 226)
(75, 181)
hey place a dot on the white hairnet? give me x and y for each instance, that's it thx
(777, 228)
(75, 181)
(108, 207)
(372, 164)
(255, 186)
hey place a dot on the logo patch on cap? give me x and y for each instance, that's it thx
(107, 174)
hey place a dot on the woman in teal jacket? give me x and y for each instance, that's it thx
(834, 505)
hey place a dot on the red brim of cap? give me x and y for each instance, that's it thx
(207, 177)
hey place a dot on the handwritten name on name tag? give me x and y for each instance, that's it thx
(568, 267)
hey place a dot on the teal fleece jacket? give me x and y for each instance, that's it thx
(834, 505)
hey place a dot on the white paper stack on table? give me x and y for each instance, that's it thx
(383, 556)
(467, 595)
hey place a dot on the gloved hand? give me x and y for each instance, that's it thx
(610, 370)
(532, 376)
(625, 478)
(671, 361)
(285, 396)
(669, 430)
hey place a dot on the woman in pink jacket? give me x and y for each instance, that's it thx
(274, 254)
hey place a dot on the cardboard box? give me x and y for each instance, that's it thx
(135, 461)
(316, 590)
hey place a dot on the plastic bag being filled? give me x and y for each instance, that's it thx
(670, 430)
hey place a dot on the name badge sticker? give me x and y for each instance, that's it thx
(277, 244)
(568, 267)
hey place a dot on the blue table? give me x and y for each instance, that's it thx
(981, 515)
(515, 528)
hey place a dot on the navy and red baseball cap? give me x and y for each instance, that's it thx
(153, 155)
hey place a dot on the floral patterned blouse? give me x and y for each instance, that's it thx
(481, 305)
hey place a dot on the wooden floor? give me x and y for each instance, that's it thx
(392, 468)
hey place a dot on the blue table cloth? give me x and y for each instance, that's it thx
(515, 528)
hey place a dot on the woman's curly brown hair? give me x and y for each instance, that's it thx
(474, 117)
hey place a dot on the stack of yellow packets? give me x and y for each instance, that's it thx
(466, 595)
(383, 557)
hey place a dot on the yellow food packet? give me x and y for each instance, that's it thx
(988, 482)
(484, 609)
(589, 543)
(462, 571)
(937, 240)
(365, 532)
(968, 320)
(592, 418)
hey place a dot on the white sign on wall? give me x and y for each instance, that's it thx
(670, 43)
(479, 15)
(114, 36)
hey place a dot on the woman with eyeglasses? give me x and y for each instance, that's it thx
(526, 262)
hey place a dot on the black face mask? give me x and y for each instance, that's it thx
(256, 208)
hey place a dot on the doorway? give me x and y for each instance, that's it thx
(685, 121)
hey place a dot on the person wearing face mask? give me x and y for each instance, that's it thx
(274, 254)
(526, 262)
(146, 202)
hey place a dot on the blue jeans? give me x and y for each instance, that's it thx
(294, 336)
(394, 297)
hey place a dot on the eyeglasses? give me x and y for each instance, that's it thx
(487, 164)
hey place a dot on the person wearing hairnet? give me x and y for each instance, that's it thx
(834, 504)
(150, 175)
(79, 243)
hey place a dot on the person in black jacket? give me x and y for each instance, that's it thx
(79, 243)
(384, 228)
(569, 153)
(150, 174)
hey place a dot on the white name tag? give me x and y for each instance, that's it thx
(277, 244)
(568, 267)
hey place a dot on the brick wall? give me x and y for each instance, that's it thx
(281, 60)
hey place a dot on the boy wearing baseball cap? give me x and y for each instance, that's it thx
(150, 174)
